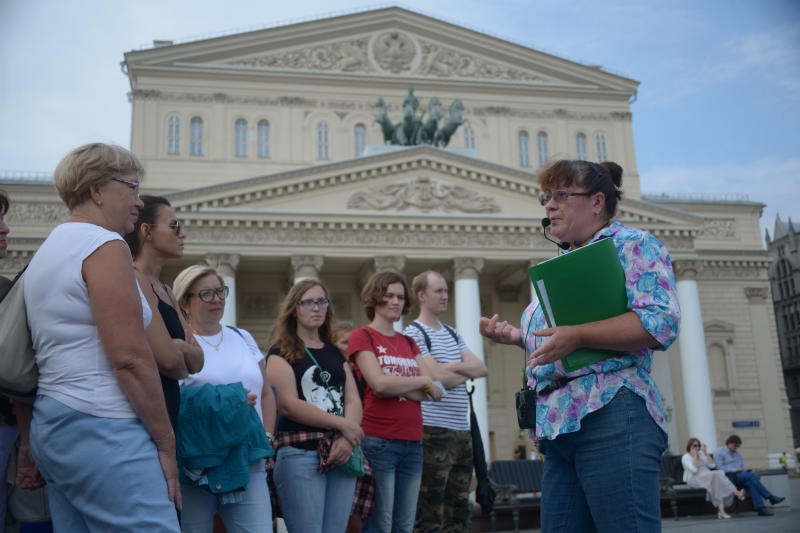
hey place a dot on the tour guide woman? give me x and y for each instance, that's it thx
(602, 428)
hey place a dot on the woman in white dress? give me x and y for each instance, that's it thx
(698, 473)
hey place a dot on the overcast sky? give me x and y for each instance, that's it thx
(718, 110)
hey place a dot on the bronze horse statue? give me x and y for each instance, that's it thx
(442, 137)
(426, 132)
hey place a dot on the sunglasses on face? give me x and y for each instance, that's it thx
(207, 295)
(176, 227)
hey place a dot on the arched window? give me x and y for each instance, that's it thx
(580, 145)
(323, 147)
(360, 138)
(541, 146)
(263, 138)
(240, 140)
(522, 141)
(602, 153)
(196, 136)
(173, 134)
(469, 138)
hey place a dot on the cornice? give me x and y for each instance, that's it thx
(327, 175)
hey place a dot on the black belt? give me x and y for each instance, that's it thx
(557, 384)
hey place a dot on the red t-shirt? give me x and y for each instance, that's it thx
(388, 418)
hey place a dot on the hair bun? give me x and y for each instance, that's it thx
(614, 171)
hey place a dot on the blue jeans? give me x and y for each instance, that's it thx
(252, 513)
(102, 474)
(754, 488)
(397, 468)
(604, 477)
(312, 502)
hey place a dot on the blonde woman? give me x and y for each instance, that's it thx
(100, 433)
(231, 356)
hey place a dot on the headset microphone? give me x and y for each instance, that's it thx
(545, 224)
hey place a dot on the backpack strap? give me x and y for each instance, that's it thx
(452, 332)
(424, 334)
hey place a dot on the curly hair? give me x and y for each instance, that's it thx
(284, 333)
(375, 288)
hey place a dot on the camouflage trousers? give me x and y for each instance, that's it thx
(443, 504)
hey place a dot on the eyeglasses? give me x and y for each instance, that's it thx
(322, 303)
(559, 196)
(207, 295)
(176, 227)
(132, 184)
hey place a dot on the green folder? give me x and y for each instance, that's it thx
(585, 285)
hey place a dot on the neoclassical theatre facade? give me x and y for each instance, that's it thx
(266, 144)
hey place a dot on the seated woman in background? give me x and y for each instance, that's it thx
(698, 473)
(231, 357)
(157, 237)
(318, 402)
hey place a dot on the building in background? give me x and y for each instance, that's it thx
(267, 145)
(784, 276)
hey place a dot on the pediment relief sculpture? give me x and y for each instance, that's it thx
(424, 194)
(345, 56)
(390, 52)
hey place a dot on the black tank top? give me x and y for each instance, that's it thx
(172, 392)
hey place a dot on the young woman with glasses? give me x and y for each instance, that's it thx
(232, 358)
(157, 237)
(320, 422)
(698, 472)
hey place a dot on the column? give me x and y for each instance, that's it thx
(468, 314)
(226, 265)
(395, 263)
(306, 267)
(769, 369)
(694, 360)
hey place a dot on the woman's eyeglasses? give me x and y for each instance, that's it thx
(695, 446)
(322, 303)
(134, 186)
(207, 295)
(176, 227)
(559, 196)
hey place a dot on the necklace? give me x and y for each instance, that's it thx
(215, 346)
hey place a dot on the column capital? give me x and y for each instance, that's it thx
(467, 267)
(224, 264)
(306, 266)
(389, 262)
(687, 269)
(756, 295)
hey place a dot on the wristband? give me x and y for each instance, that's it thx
(429, 386)
(269, 436)
(165, 437)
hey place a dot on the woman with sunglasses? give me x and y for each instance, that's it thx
(231, 356)
(156, 238)
(698, 472)
(320, 409)
(601, 427)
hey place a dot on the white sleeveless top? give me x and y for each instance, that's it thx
(73, 368)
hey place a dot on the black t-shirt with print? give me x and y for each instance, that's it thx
(311, 386)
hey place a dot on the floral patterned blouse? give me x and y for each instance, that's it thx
(650, 285)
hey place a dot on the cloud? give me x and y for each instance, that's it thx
(771, 181)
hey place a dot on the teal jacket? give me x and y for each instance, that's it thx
(219, 433)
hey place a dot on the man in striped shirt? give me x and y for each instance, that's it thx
(447, 445)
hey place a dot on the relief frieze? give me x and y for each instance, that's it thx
(448, 63)
(719, 228)
(36, 214)
(345, 56)
(424, 194)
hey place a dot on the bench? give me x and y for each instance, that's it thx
(517, 484)
(673, 489)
